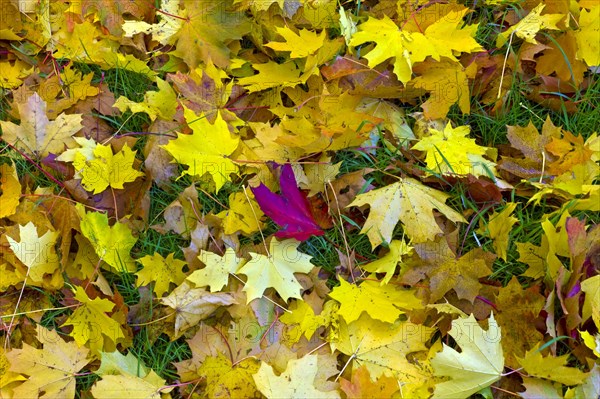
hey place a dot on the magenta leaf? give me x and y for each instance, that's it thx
(290, 209)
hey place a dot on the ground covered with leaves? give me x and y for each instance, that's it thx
(299, 198)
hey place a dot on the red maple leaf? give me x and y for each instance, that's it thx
(290, 209)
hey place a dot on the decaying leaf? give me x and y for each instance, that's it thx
(191, 305)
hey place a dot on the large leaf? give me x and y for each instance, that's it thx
(290, 209)
(408, 201)
(478, 364)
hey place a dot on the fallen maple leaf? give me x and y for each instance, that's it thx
(297, 381)
(362, 386)
(290, 209)
(499, 227)
(387, 264)
(381, 302)
(163, 271)
(530, 25)
(36, 134)
(452, 151)
(226, 380)
(276, 270)
(478, 365)
(305, 322)
(551, 367)
(194, 304)
(130, 386)
(92, 326)
(10, 188)
(97, 166)
(50, 370)
(217, 269)
(300, 45)
(207, 149)
(43, 260)
(384, 349)
(408, 201)
(588, 48)
(111, 243)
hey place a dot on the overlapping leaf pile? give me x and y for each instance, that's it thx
(258, 99)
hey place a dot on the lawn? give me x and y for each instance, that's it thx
(391, 199)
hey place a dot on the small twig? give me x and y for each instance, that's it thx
(38, 167)
(504, 65)
(10, 325)
(257, 222)
(226, 342)
(350, 269)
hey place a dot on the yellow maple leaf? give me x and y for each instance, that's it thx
(8, 379)
(297, 381)
(193, 304)
(92, 327)
(51, 369)
(591, 341)
(301, 44)
(217, 269)
(380, 302)
(105, 169)
(124, 374)
(13, 74)
(36, 134)
(591, 306)
(452, 151)
(244, 214)
(478, 365)
(163, 271)
(161, 103)
(65, 90)
(570, 150)
(130, 386)
(406, 47)
(387, 263)
(409, 48)
(115, 363)
(499, 226)
(551, 367)
(199, 30)
(384, 349)
(10, 189)
(318, 175)
(164, 30)
(408, 201)
(448, 83)
(304, 320)
(276, 270)
(36, 252)
(588, 48)
(362, 386)
(449, 37)
(530, 25)
(447, 271)
(270, 75)
(223, 379)
(207, 149)
(111, 243)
